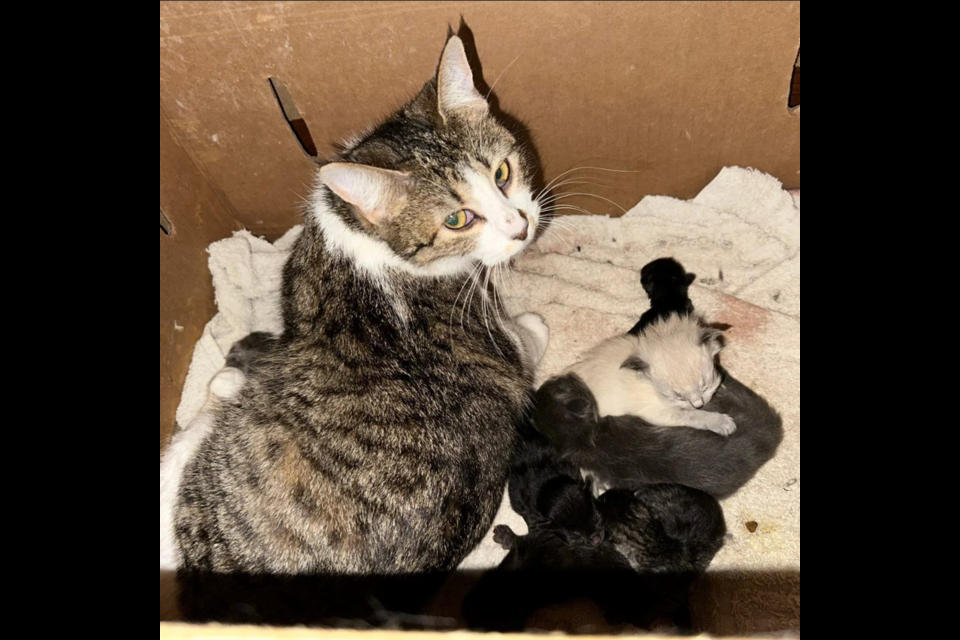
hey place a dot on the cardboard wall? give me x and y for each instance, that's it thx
(673, 90)
(199, 216)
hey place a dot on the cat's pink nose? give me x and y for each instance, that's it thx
(526, 226)
(523, 234)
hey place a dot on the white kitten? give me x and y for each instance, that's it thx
(664, 375)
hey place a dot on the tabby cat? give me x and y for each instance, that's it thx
(375, 436)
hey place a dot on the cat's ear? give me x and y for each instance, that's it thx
(690, 278)
(378, 194)
(635, 363)
(455, 89)
(712, 339)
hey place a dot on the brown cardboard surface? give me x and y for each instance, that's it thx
(672, 90)
(197, 216)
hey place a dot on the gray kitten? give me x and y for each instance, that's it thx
(374, 436)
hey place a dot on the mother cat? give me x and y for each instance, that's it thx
(376, 436)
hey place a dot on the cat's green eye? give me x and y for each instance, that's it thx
(459, 220)
(502, 176)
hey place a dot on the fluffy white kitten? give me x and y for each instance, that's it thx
(664, 375)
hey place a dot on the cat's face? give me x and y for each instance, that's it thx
(441, 185)
(690, 383)
(679, 357)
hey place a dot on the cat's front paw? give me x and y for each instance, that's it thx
(227, 383)
(504, 536)
(721, 423)
(537, 333)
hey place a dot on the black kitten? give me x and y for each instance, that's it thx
(628, 452)
(549, 492)
(658, 540)
(666, 283)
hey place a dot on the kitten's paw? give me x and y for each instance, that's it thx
(227, 383)
(504, 536)
(537, 332)
(721, 423)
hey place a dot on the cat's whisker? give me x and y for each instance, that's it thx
(507, 276)
(502, 73)
(571, 207)
(562, 238)
(557, 196)
(552, 212)
(469, 285)
(561, 222)
(474, 291)
(565, 205)
(501, 287)
(566, 226)
(573, 180)
(486, 321)
(301, 197)
(468, 301)
(552, 182)
(453, 308)
(553, 215)
(497, 301)
(590, 195)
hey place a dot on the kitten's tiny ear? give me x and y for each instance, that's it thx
(636, 363)
(455, 89)
(378, 194)
(690, 278)
(712, 338)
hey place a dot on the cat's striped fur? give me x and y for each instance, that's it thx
(376, 435)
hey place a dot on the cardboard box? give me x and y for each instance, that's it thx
(671, 90)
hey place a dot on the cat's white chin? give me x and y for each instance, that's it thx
(509, 253)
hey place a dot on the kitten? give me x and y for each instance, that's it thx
(665, 375)
(666, 283)
(375, 436)
(658, 540)
(628, 452)
(550, 492)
